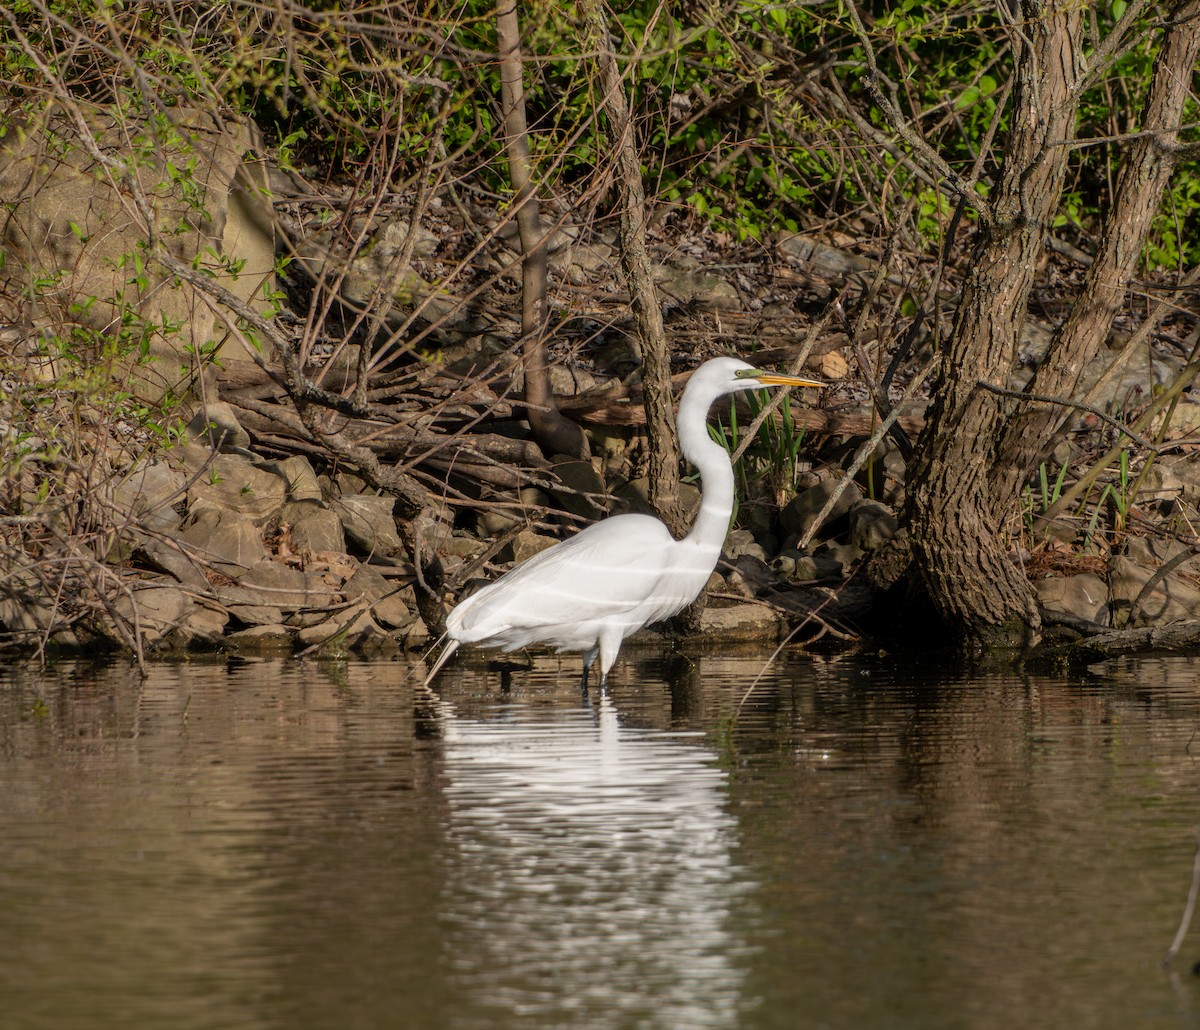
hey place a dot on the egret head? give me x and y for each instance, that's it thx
(756, 377)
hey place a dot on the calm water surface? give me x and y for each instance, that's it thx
(837, 843)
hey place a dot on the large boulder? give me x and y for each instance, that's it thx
(75, 240)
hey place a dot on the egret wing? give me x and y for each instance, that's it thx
(607, 572)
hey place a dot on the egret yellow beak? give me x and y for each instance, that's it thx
(778, 379)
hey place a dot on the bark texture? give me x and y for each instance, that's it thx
(1144, 177)
(555, 433)
(644, 300)
(953, 513)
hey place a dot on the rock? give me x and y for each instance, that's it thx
(741, 542)
(1153, 551)
(749, 575)
(584, 492)
(216, 425)
(742, 622)
(1173, 600)
(1085, 596)
(526, 544)
(386, 602)
(173, 558)
(872, 524)
(801, 567)
(229, 541)
(314, 528)
(69, 217)
(845, 555)
(203, 627)
(833, 366)
(352, 629)
(706, 292)
(301, 482)
(162, 612)
(801, 511)
(271, 639)
(820, 258)
(368, 522)
(587, 261)
(147, 493)
(493, 522)
(634, 496)
(1185, 420)
(234, 484)
(273, 584)
(246, 605)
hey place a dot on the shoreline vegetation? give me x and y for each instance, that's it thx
(303, 335)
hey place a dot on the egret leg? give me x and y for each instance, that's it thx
(589, 656)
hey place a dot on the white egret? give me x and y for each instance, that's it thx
(591, 591)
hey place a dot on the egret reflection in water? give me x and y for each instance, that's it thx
(591, 873)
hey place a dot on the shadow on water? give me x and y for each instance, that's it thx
(852, 842)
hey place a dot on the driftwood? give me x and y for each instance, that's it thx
(1117, 643)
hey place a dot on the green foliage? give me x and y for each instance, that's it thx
(732, 100)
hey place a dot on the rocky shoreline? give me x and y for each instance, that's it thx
(250, 530)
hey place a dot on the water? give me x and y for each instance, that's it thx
(851, 843)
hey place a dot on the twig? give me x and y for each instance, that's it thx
(1161, 573)
(1188, 909)
(1037, 398)
(863, 454)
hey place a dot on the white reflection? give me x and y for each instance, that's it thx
(592, 882)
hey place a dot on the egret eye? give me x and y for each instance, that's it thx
(747, 373)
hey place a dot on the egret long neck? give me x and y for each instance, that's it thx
(716, 474)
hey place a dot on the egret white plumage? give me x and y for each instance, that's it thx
(591, 591)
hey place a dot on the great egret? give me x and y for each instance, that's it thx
(591, 591)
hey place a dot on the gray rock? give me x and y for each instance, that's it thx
(872, 524)
(1173, 600)
(1085, 596)
(526, 544)
(275, 639)
(216, 425)
(845, 555)
(741, 542)
(387, 602)
(801, 511)
(634, 496)
(313, 527)
(301, 482)
(368, 522)
(227, 540)
(494, 522)
(234, 484)
(352, 629)
(162, 612)
(203, 627)
(249, 605)
(801, 567)
(173, 558)
(70, 218)
(822, 259)
(706, 292)
(147, 493)
(742, 622)
(749, 575)
(585, 493)
(277, 585)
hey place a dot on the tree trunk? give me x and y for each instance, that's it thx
(1145, 175)
(554, 433)
(952, 512)
(635, 262)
